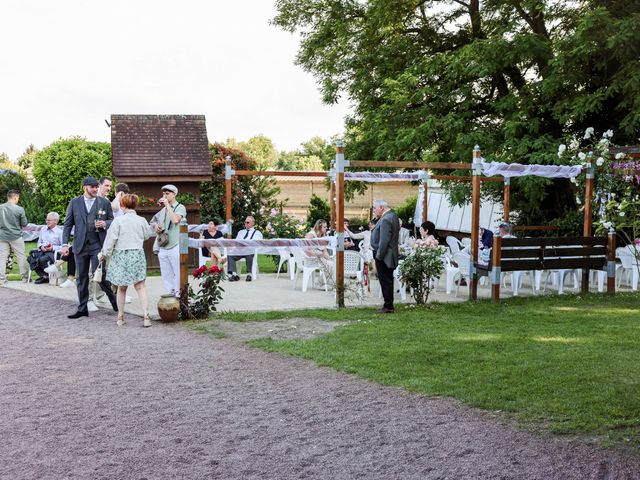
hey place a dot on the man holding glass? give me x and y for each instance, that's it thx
(90, 216)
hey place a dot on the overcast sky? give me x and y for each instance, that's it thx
(67, 65)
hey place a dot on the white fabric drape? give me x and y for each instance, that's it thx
(508, 170)
(272, 246)
(377, 177)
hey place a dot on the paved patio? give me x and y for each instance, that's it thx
(265, 293)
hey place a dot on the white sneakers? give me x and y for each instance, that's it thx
(146, 322)
(91, 306)
(68, 283)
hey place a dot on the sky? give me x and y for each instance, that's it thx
(67, 65)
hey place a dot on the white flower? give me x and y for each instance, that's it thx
(619, 155)
(574, 144)
(587, 133)
(582, 156)
(561, 149)
(600, 161)
(604, 142)
(608, 134)
(621, 214)
(573, 179)
(607, 225)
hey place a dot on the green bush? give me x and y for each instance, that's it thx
(406, 209)
(60, 168)
(33, 202)
(251, 195)
(318, 209)
(419, 270)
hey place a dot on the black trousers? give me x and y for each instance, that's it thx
(40, 260)
(385, 277)
(71, 262)
(89, 259)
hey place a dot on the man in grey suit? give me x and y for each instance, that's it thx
(91, 216)
(384, 241)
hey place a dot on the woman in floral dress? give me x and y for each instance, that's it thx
(124, 251)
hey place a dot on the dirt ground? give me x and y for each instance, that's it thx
(82, 399)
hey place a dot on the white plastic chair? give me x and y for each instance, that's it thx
(628, 265)
(466, 242)
(454, 244)
(463, 260)
(286, 257)
(353, 265)
(308, 266)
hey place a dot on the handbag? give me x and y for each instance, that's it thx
(97, 275)
(163, 238)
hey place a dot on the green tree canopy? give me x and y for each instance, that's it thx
(431, 79)
(259, 148)
(60, 168)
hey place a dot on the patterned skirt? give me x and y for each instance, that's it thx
(127, 267)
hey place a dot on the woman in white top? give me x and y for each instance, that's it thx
(127, 263)
(319, 231)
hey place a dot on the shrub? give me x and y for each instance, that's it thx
(249, 194)
(34, 204)
(318, 209)
(60, 168)
(419, 270)
(406, 210)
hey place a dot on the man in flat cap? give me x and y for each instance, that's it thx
(168, 221)
(91, 215)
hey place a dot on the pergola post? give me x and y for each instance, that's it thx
(588, 216)
(475, 222)
(425, 203)
(339, 264)
(611, 262)
(228, 174)
(507, 198)
(184, 259)
(332, 198)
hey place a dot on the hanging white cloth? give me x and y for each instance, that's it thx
(509, 170)
(377, 177)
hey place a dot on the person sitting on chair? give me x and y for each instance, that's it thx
(247, 233)
(505, 230)
(213, 252)
(49, 244)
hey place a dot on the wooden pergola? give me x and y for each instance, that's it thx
(337, 197)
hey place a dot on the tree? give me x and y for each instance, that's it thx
(259, 148)
(251, 195)
(34, 204)
(60, 168)
(25, 161)
(431, 79)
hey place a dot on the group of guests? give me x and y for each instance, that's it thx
(105, 233)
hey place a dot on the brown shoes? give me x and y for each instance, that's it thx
(385, 310)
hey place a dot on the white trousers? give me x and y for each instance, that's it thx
(16, 246)
(170, 269)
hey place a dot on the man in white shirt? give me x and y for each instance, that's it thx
(49, 243)
(247, 233)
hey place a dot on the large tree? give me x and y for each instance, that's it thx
(430, 79)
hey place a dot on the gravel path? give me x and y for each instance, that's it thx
(81, 399)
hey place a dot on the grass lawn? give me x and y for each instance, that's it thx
(568, 364)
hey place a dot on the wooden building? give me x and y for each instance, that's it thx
(149, 151)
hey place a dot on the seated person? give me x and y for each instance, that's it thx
(404, 244)
(505, 230)
(428, 235)
(49, 243)
(319, 231)
(71, 268)
(213, 252)
(350, 239)
(247, 233)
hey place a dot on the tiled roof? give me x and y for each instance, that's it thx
(160, 146)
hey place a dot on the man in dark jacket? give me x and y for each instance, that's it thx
(384, 241)
(91, 216)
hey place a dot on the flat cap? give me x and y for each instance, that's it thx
(90, 181)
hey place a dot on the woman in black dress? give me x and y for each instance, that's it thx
(214, 253)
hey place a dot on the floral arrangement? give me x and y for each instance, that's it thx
(148, 201)
(202, 302)
(617, 191)
(420, 268)
(280, 224)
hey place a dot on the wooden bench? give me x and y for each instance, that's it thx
(550, 253)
